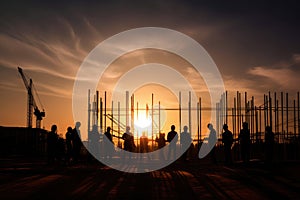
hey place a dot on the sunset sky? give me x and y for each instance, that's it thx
(255, 45)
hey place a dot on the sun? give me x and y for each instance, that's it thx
(143, 122)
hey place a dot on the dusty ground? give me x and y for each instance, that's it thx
(31, 178)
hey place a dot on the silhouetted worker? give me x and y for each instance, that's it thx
(94, 141)
(144, 148)
(128, 140)
(76, 141)
(172, 138)
(161, 142)
(185, 142)
(269, 144)
(244, 138)
(212, 140)
(108, 143)
(227, 140)
(144, 143)
(69, 144)
(61, 149)
(52, 138)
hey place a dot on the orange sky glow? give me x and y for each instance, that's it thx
(255, 51)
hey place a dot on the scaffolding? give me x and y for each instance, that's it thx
(280, 112)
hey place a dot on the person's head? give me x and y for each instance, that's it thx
(173, 127)
(162, 135)
(78, 124)
(69, 129)
(54, 128)
(245, 125)
(127, 128)
(225, 127)
(108, 129)
(268, 129)
(209, 126)
(185, 128)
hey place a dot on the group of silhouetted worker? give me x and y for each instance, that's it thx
(60, 150)
(69, 150)
(244, 141)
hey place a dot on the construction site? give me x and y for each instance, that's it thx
(25, 171)
(278, 111)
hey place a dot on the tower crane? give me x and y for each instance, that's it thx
(32, 107)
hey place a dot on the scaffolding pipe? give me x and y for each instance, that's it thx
(127, 108)
(252, 118)
(256, 124)
(179, 112)
(260, 125)
(198, 126)
(217, 117)
(159, 117)
(265, 115)
(298, 104)
(270, 111)
(287, 114)
(282, 124)
(101, 114)
(226, 107)
(200, 119)
(295, 128)
(97, 107)
(132, 116)
(89, 111)
(112, 116)
(246, 109)
(190, 112)
(119, 128)
(275, 112)
(235, 113)
(104, 111)
(152, 118)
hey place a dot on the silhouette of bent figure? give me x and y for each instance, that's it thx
(94, 141)
(161, 142)
(69, 144)
(212, 139)
(128, 140)
(144, 143)
(108, 143)
(227, 140)
(269, 144)
(172, 138)
(244, 138)
(76, 141)
(52, 139)
(60, 148)
(185, 141)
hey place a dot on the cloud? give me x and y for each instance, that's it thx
(286, 78)
(51, 59)
(296, 58)
(11, 87)
(49, 90)
(283, 76)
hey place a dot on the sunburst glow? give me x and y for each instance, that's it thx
(143, 122)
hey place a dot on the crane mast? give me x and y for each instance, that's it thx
(32, 108)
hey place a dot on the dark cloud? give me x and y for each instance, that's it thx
(238, 35)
